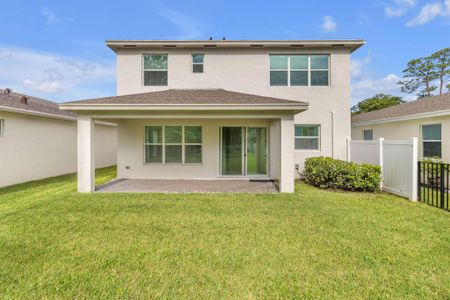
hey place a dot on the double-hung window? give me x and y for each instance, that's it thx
(299, 70)
(368, 134)
(2, 127)
(432, 141)
(155, 69)
(197, 63)
(173, 144)
(307, 137)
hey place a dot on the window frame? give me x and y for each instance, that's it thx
(318, 137)
(2, 127)
(153, 70)
(183, 145)
(194, 63)
(423, 141)
(364, 134)
(309, 70)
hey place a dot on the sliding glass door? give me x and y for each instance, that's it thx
(256, 151)
(232, 150)
(243, 151)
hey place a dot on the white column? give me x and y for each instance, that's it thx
(86, 154)
(287, 161)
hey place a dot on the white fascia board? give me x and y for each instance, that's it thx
(95, 107)
(36, 113)
(48, 115)
(404, 118)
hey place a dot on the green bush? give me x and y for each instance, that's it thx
(329, 173)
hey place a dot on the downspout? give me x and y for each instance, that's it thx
(332, 132)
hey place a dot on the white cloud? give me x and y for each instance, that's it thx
(400, 8)
(365, 83)
(329, 24)
(429, 12)
(357, 65)
(367, 87)
(50, 16)
(190, 27)
(54, 76)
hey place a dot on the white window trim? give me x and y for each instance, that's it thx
(163, 144)
(364, 131)
(289, 69)
(318, 137)
(154, 70)
(2, 127)
(429, 141)
(194, 63)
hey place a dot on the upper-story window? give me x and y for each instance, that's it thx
(299, 70)
(197, 63)
(155, 69)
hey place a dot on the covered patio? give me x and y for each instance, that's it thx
(188, 186)
(192, 141)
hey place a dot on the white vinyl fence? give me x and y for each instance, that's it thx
(398, 161)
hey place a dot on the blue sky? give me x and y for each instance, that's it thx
(55, 49)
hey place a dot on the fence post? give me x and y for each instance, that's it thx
(414, 187)
(348, 149)
(419, 175)
(442, 187)
(380, 160)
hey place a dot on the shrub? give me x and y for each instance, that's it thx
(329, 173)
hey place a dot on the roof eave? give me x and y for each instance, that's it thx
(403, 118)
(352, 44)
(146, 107)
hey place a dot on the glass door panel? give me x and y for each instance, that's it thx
(257, 151)
(232, 150)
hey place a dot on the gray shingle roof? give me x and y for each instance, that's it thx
(35, 105)
(424, 105)
(188, 97)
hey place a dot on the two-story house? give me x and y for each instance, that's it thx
(221, 109)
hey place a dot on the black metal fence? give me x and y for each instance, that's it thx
(433, 183)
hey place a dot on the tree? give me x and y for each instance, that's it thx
(441, 62)
(376, 102)
(419, 76)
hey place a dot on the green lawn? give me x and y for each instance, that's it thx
(55, 243)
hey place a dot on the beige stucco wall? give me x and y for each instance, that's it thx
(35, 147)
(406, 129)
(247, 70)
(130, 154)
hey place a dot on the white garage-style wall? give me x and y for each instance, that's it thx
(34, 147)
(403, 130)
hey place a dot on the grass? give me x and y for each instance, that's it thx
(55, 243)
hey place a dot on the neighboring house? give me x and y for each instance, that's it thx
(38, 140)
(428, 119)
(222, 109)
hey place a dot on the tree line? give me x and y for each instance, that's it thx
(424, 76)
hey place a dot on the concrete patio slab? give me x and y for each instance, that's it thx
(188, 186)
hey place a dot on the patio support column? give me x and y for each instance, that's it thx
(287, 161)
(86, 154)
